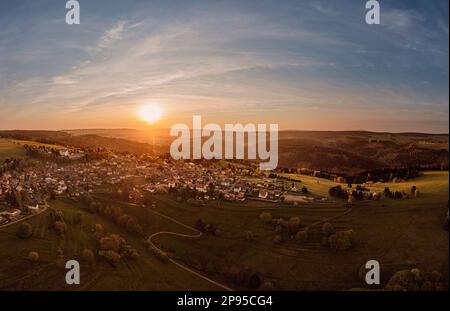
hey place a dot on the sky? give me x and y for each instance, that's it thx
(306, 65)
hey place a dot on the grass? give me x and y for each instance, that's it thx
(10, 149)
(398, 233)
(432, 183)
(318, 186)
(146, 273)
(37, 144)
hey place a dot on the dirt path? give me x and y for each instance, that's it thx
(197, 234)
(329, 219)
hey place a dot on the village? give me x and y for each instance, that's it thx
(25, 191)
(76, 173)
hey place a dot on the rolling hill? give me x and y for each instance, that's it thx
(348, 152)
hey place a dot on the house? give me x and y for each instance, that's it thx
(201, 188)
(64, 153)
(14, 213)
(240, 196)
(33, 208)
(263, 194)
(341, 180)
(229, 196)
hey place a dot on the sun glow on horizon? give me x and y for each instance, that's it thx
(150, 113)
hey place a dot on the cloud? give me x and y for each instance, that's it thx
(112, 35)
(400, 20)
(263, 63)
(322, 8)
(443, 26)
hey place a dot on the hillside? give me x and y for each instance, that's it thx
(401, 234)
(348, 151)
(340, 152)
(8, 149)
(80, 141)
(143, 273)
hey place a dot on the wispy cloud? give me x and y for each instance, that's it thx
(112, 35)
(401, 20)
(306, 61)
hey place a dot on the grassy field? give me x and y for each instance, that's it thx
(9, 149)
(37, 144)
(145, 273)
(432, 184)
(398, 233)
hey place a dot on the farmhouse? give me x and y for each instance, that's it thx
(263, 194)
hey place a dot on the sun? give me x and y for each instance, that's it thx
(150, 113)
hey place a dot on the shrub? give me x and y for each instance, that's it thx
(78, 218)
(265, 217)
(327, 229)
(109, 244)
(398, 195)
(338, 192)
(60, 227)
(267, 286)
(60, 260)
(88, 256)
(33, 256)
(98, 228)
(200, 225)
(24, 231)
(254, 281)
(278, 229)
(310, 231)
(133, 226)
(277, 239)
(301, 236)
(341, 241)
(98, 231)
(128, 251)
(387, 193)
(211, 229)
(161, 255)
(351, 200)
(402, 280)
(350, 235)
(122, 220)
(112, 257)
(59, 216)
(233, 275)
(293, 224)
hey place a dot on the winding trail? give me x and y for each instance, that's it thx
(196, 235)
(348, 211)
